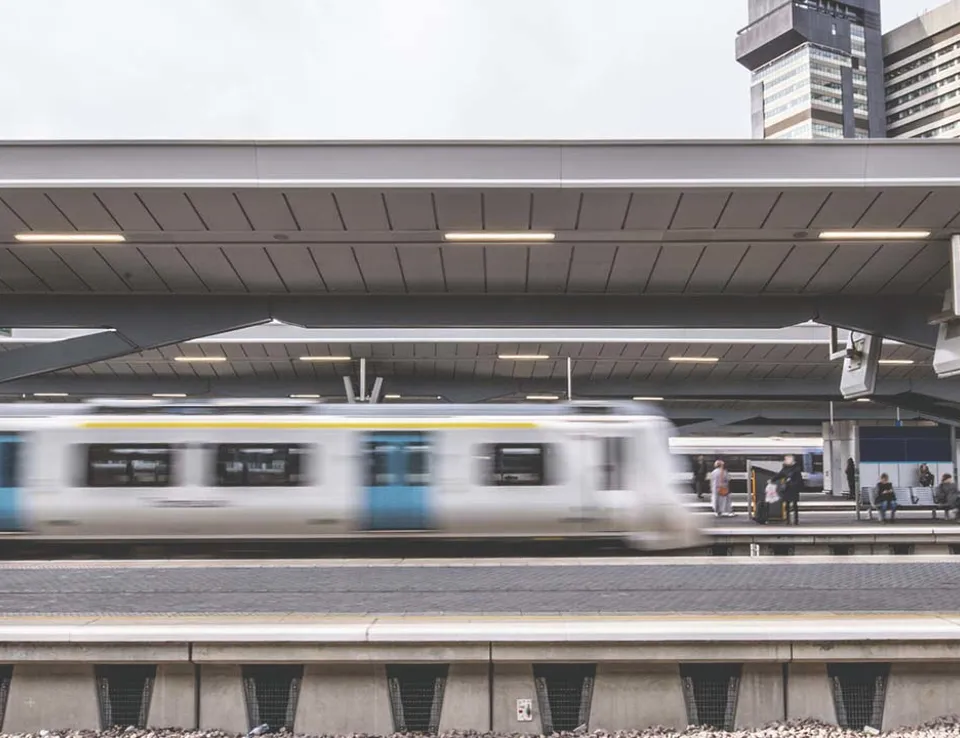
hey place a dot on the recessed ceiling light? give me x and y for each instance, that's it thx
(70, 237)
(648, 399)
(523, 357)
(903, 362)
(300, 396)
(391, 397)
(325, 358)
(543, 398)
(51, 394)
(201, 359)
(172, 395)
(862, 399)
(498, 236)
(695, 359)
(853, 235)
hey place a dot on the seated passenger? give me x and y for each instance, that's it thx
(925, 476)
(947, 495)
(886, 499)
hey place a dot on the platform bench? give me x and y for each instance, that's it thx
(908, 498)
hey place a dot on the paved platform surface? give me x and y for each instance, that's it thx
(754, 586)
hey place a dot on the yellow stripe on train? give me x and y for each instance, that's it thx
(306, 424)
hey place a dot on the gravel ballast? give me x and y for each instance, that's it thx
(946, 727)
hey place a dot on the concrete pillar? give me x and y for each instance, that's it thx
(52, 697)
(761, 696)
(343, 699)
(466, 699)
(839, 444)
(635, 696)
(173, 702)
(809, 694)
(222, 704)
(512, 682)
(919, 693)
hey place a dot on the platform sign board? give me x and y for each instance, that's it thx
(859, 378)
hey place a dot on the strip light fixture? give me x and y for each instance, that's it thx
(70, 237)
(543, 398)
(899, 362)
(201, 359)
(170, 395)
(522, 357)
(853, 235)
(648, 399)
(499, 236)
(301, 396)
(51, 394)
(391, 397)
(695, 359)
(325, 358)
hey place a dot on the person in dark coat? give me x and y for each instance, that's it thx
(947, 495)
(851, 472)
(700, 477)
(790, 481)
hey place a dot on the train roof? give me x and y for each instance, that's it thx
(362, 410)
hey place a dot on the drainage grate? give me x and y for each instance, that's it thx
(6, 674)
(124, 694)
(271, 693)
(841, 549)
(859, 693)
(901, 549)
(564, 694)
(416, 696)
(710, 692)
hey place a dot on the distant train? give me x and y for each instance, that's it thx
(736, 452)
(246, 470)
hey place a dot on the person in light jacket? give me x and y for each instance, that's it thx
(720, 491)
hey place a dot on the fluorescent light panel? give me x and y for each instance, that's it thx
(51, 394)
(325, 358)
(903, 362)
(391, 397)
(301, 396)
(70, 237)
(648, 399)
(695, 359)
(544, 398)
(853, 235)
(499, 236)
(172, 395)
(523, 357)
(201, 359)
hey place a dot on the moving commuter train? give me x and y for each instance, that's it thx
(149, 470)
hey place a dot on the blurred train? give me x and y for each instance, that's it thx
(154, 470)
(737, 451)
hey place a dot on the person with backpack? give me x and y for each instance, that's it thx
(790, 481)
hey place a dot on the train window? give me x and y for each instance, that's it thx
(614, 458)
(128, 465)
(261, 465)
(517, 465)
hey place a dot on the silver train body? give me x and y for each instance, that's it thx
(155, 471)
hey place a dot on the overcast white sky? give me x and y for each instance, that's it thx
(376, 69)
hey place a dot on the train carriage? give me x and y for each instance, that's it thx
(120, 471)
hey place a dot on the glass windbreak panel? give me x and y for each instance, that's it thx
(519, 465)
(379, 470)
(261, 465)
(128, 465)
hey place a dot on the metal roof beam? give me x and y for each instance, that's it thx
(899, 318)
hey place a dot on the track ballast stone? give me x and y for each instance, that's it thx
(944, 727)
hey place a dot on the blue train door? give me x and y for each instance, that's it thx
(398, 472)
(9, 482)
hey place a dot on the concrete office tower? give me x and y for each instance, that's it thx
(817, 68)
(922, 75)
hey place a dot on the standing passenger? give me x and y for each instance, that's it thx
(790, 479)
(720, 491)
(700, 477)
(852, 478)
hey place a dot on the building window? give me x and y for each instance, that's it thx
(261, 465)
(128, 465)
(517, 465)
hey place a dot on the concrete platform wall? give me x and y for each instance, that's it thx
(344, 698)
